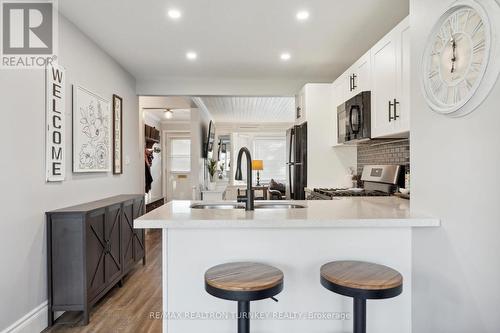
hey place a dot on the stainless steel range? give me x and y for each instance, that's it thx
(378, 181)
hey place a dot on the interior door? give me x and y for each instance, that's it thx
(178, 167)
(384, 81)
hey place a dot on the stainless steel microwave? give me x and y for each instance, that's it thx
(354, 119)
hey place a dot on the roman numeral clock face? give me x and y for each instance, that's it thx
(456, 58)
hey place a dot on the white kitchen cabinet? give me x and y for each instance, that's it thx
(402, 124)
(344, 87)
(390, 83)
(361, 75)
(300, 106)
(355, 79)
(337, 99)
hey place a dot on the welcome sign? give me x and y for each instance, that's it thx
(55, 76)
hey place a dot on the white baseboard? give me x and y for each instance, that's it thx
(33, 321)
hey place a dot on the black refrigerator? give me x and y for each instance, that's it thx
(296, 166)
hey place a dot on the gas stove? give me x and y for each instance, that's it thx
(347, 192)
(378, 181)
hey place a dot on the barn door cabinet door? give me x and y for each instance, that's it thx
(112, 257)
(103, 249)
(139, 234)
(95, 252)
(127, 243)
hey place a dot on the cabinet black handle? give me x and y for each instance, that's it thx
(354, 86)
(390, 106)
(350, 83)
(396, 116)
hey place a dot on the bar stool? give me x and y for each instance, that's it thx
(361, 281)
(244, 282)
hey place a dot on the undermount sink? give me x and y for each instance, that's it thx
(276, 205)
(271, 205)
(218, 206)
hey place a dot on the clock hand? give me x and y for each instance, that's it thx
(454, 57)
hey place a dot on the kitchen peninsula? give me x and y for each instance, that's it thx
(197, 236)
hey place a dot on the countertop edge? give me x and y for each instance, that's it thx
(287, 223)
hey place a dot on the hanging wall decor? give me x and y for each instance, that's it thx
(117, 135)
(461, 62)
(55, 109)
(91, 132)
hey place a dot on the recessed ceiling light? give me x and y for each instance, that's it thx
(302, 15)
(191, 55)
(285, 56)
(169, 114)
(174, 14)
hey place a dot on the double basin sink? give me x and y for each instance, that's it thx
(258, 205)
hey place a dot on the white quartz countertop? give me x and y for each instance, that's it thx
(344, 212)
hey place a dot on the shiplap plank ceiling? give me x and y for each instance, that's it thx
(232, 109)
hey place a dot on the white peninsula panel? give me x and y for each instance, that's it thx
(297, 241)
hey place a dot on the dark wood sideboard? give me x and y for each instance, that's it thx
(90, 248)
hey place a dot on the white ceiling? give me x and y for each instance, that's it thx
(235, 39)
(231, 109)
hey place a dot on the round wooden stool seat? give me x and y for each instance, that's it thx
(243, 281)
(360, 279)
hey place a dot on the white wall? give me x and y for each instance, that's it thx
(25, 195)
(455, 163)
(200, 120)
(326, 166)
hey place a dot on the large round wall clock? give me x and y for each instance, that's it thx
(461, 61)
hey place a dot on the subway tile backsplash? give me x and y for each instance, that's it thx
(387, 151)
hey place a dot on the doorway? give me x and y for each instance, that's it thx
(177, 150)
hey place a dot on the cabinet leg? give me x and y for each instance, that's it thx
(120, 283)
(86, 317)
(50, 317)
(144, 260)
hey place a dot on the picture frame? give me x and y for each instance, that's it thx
(91, 132)
(117, 135)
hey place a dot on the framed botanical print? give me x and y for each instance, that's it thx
(91, 131)
(117, 135)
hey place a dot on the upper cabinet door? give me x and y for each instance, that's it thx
(337, 99)
(384, 80)
(402, 122)
(361, 74)
(391, 83)
(300, 106)
(344, 87)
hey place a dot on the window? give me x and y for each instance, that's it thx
(272, 150)
(180, 155)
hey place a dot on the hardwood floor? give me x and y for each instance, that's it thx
(125, 309)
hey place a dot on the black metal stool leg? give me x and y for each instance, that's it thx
(243, 317)
(359, 315)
